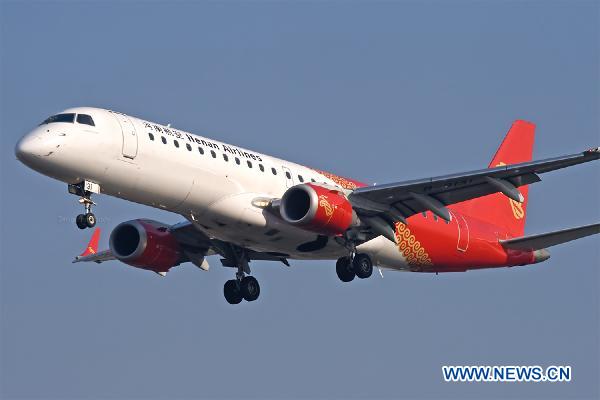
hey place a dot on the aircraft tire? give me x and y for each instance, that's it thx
(363, 266)
(344, 270)
(232, 292)
(90, 220)
(249, 288)
(80, 221)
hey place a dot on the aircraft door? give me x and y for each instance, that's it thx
(130, 140)
(287, 174)
(463, 232)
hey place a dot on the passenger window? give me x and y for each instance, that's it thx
(312, 180)
(70, 117)
(176, 143)
(213, 154)
(260, 166)
(300, 178)
(435, 217)
(162, 138)
(237, 161)
(85, 119)
(187, 145)
(225, 157)
(424, 214)
(200, 150)
(274, 171)
(151, 136)
(249, 164)
(287, 174)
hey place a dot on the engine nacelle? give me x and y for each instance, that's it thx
(317, 208)
(145, 244)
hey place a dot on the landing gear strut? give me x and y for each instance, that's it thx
(360, 266)
(242, 287)
(88, 219)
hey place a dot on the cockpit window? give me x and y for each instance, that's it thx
(85, 119)
(70, 117)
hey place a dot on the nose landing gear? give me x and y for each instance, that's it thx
(87, 219)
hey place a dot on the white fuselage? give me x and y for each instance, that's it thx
(221, 188)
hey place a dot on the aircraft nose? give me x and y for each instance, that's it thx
(28, 147)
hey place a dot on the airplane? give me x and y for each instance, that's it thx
(245, 206)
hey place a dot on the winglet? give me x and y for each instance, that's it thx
(92, 247)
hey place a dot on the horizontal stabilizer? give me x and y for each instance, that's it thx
(543, 240)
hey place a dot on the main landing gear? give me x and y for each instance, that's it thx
(87, 219)
(242, 287)
(348, 267)
(246, 288)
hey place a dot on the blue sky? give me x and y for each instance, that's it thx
(379, 91)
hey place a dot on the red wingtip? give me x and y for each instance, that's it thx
(92, 247)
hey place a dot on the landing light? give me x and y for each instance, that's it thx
(261, 202)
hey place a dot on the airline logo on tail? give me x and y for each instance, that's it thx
(517, 208)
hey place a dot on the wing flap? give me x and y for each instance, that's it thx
(543, 240)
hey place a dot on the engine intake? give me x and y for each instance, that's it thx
(317, 208)
(145, 244)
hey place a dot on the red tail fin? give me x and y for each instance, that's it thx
(517, 147)
(92, 247)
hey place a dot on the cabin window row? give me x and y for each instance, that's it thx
(261, 167)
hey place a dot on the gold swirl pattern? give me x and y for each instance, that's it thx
(324, 202)
(329, 209)
(411, 248)
(343, 182)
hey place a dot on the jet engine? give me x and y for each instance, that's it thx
(145, 244)
(317, 208)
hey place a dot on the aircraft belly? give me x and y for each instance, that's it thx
(384, 253)
(235, 219)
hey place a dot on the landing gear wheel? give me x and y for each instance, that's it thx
(363, 266)
(80, 221)
(250, 288)
(90, 220)
(344, 270)
(232, 292)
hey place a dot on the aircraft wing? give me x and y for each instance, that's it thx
(195, 245)
(105, 255)
(91, 253)
(398, 201)
(543, 240)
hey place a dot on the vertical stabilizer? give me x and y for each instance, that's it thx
(498, 209)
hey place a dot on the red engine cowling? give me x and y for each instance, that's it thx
(316, 208)
(145, 244)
